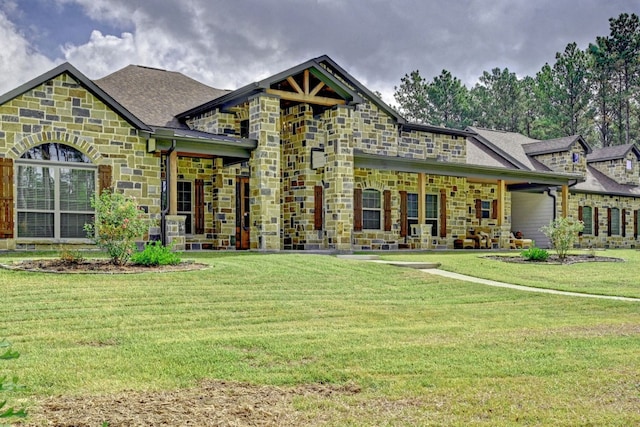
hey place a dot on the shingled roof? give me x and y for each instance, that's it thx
(156, 96)
(613, 153)
(554, 145)
(506, 144)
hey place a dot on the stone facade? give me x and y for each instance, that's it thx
(625, 170)
(63, 111)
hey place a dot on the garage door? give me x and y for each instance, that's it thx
(530, 212)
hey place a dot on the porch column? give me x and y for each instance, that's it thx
(264, 185)
(422, 180)
(173, 183)
(339, 179)
(502, 191)
(565, 201)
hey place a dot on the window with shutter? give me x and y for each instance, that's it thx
(199, 206)
(404, 215)
(387, 210)
(443, 213)
(317, 207)
(6, 198)
(357, 209)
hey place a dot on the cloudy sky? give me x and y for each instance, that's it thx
(230, 43)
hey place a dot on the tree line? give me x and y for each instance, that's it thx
(593, 92)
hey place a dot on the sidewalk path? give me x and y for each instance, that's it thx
(466, 278)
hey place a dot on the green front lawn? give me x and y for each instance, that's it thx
(602, 278)
(423, 350)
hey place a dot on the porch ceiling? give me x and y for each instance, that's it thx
(513, 177)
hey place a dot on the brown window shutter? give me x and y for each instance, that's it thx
(317, 207)
(635, 224)
(404, 221)
(478, 208)
(357, 209)
(596, 222)
(580, 217)
(443, 213)
(608, 221)
(387, 210)
(199, 207)
(623, 225)
(6, 198)
(494, 209)
(104, 177)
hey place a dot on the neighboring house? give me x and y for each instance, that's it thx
(307, 159)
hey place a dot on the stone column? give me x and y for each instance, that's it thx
(339, 179)
(264, 126)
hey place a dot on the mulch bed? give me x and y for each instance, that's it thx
(96, 266)
(553, 259)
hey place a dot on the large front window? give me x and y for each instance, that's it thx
(54, 187)
(587, 219)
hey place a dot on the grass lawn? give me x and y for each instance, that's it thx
(602, 278)
(421, 349)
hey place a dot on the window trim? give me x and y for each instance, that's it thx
(57, 212)
(589, 231)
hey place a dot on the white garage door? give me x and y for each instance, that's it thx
(530, 212)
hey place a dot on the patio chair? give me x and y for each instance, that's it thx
(517, 241)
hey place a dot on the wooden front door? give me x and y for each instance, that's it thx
(243, 216)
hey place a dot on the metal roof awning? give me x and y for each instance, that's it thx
(516, 177)
(230, 149)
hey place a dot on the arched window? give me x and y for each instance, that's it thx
(54, 187)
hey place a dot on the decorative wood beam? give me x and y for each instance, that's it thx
(317, 89)
(306, 82)
(300, 97)
(294, 84)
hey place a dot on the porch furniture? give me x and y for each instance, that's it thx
(519, 242)
(464, 244)
(481, 237)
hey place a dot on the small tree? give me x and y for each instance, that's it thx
(118, 224)
(562, 232)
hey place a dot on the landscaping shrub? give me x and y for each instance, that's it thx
(154, 254)
(563, 232)
(118, 224)
(70, 256)
(535, 254)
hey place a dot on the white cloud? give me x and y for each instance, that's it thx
(19, 62)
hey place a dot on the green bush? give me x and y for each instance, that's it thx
(118, 224)
(563, 232)
(8, 385)
(535, 254)
(154, 254)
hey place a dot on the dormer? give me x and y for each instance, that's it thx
(618, 162)
(568, 154)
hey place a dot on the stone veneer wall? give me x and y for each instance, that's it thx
(216, 122)
(264, 126)
(61, 110)
(602, 202)
(563, 161)
(617, 169)
(301, 133)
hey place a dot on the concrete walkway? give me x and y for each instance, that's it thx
(432, 268)
(520, 287)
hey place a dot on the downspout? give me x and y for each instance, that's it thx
(167, 175)
(551, 191)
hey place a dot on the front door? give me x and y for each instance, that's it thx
(243, 217)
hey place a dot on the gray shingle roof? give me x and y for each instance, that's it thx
(553, 145)
(598, 182)
(156, 96)
(612, 153)
(508, 145)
